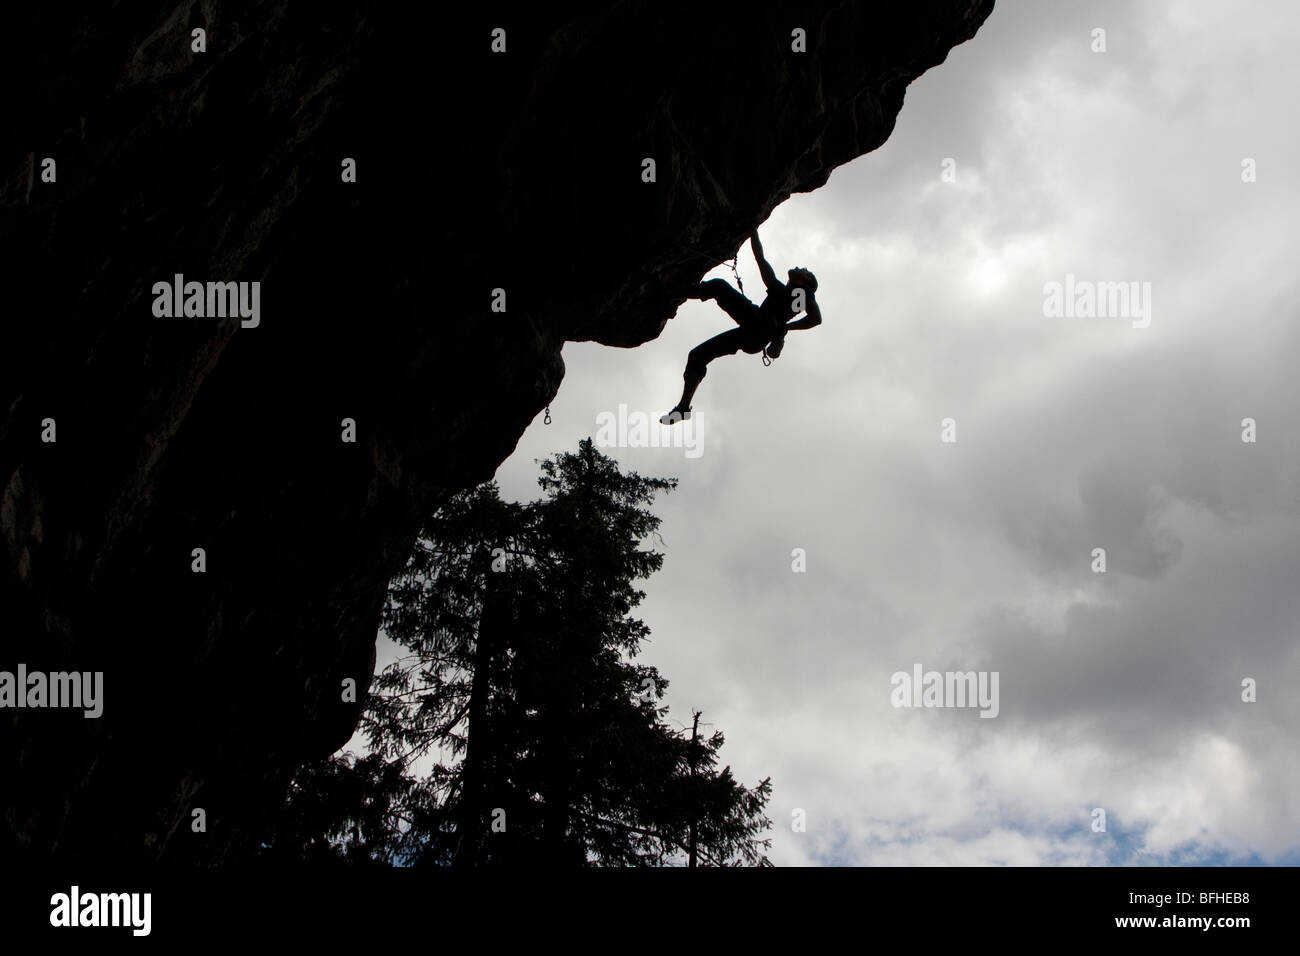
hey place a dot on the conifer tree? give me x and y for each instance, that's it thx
(549, 742)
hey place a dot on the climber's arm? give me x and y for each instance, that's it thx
(765, 270)
(811, 320)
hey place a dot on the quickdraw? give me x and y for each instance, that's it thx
(736, 273)
(547, 419)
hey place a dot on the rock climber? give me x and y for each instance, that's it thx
(762, 328)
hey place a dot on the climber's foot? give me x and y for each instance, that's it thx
(675, 416)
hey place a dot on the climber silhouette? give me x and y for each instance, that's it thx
(762, 327)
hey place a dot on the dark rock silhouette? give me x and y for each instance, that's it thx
(475, 171)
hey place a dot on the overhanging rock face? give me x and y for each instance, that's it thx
(474, 171)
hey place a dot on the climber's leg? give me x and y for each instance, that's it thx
(728, 343)
(741, 310)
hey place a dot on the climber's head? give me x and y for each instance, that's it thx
(801, 277)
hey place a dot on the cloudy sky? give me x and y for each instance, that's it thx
(1119, 690)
